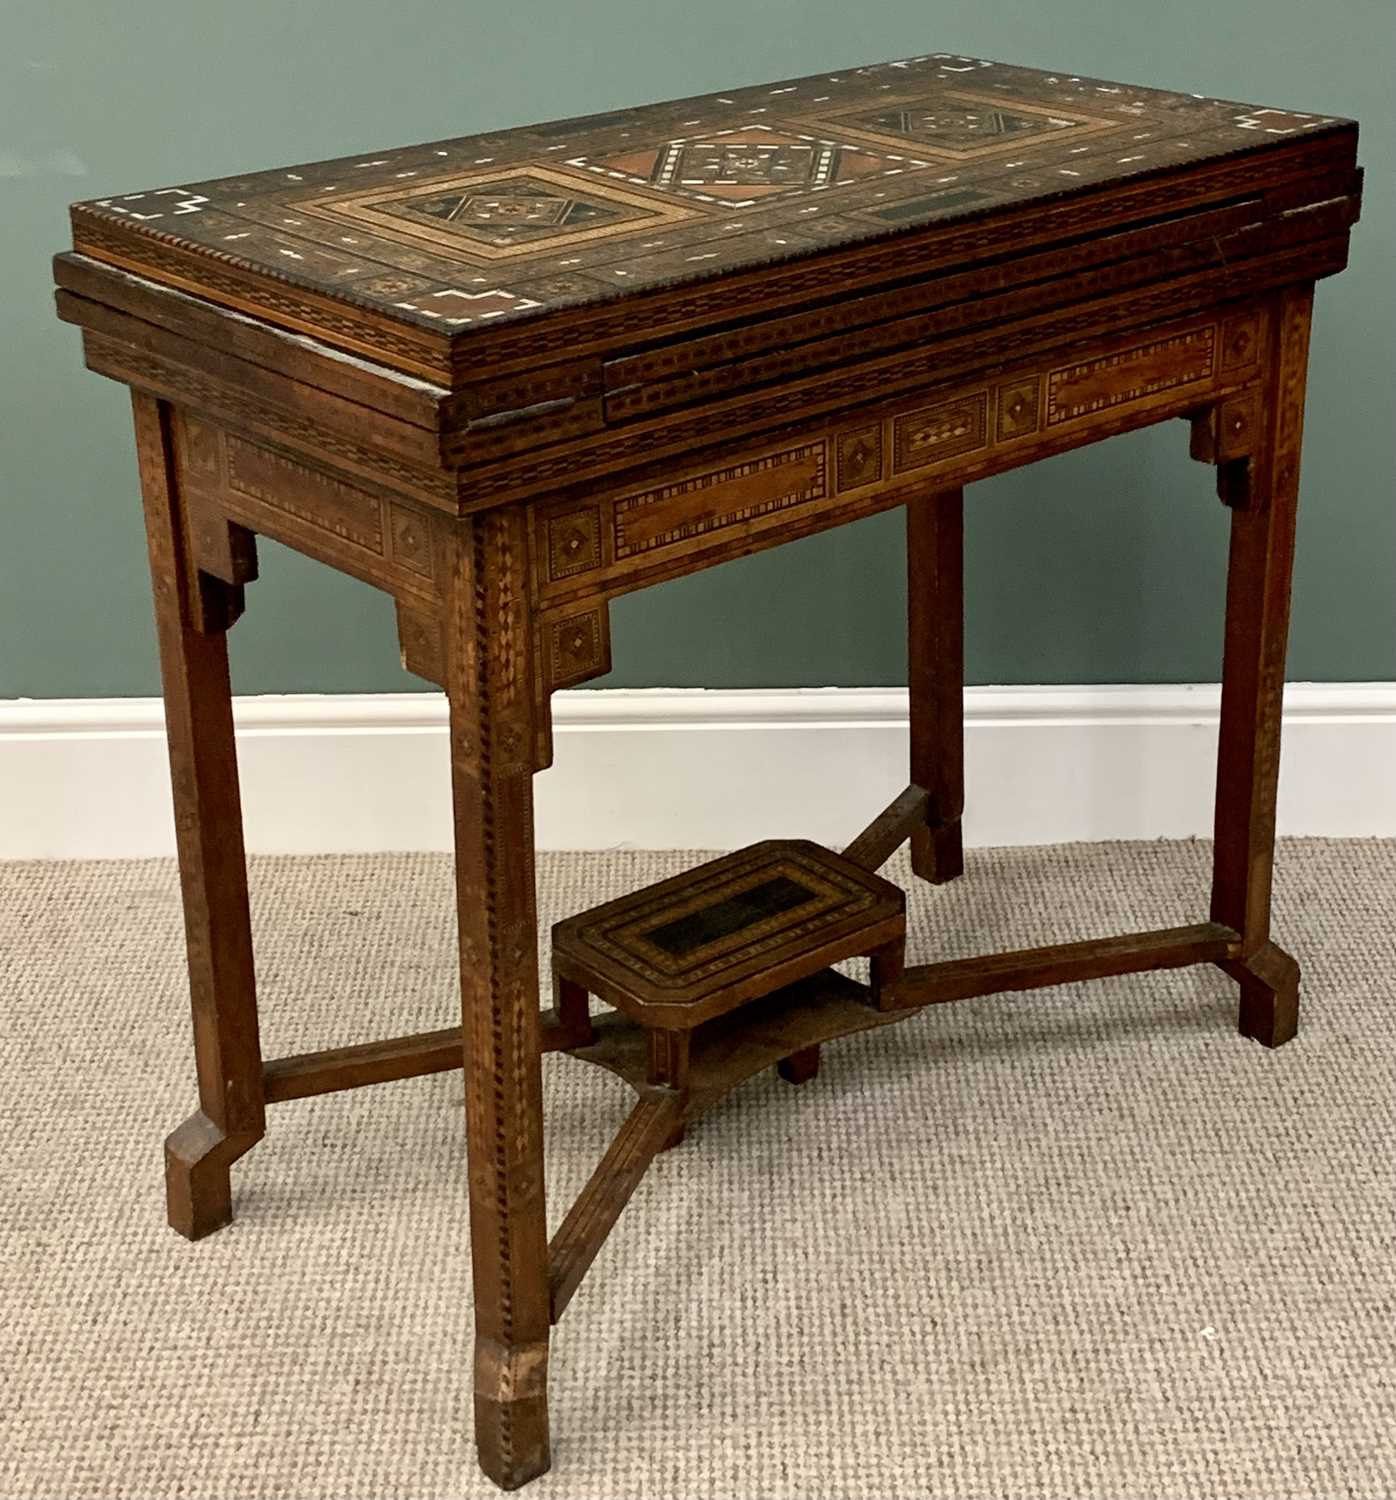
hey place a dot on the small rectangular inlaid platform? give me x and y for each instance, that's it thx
(682, 951)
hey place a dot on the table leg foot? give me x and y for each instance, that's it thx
(511, 1439)
(1269, 982)
(198, 1180)
(800, 1066)
(937, 854)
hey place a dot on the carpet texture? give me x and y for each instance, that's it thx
(1086, 1242)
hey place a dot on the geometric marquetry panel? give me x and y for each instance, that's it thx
(410, 537)
(313, 498)
(578, 646)
(962, 126)
(1238, 426)
(201, 453)
(746, 166)
(497, 215)
(383, 541)
(1240, 338)
(714, 501)
(944, 430)
(457, 236)
(859, 460)
(631, 536)
(1230, 429)
(1017, 402)
(421, 643)
(1140, 370)
(573, 542)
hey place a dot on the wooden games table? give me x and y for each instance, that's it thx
(508, 377)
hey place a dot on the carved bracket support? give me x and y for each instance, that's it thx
(421, 643)
(572, 645)
(222, 558)
(1226, 435)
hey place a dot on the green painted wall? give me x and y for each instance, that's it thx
(1102, 566)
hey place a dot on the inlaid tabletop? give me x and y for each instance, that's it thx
(455, 235)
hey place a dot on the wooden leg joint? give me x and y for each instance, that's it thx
(219, 557)
(572, 646)
(218, 546)
(902, 819)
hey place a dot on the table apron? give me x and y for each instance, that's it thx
(323, 495)
(596, 543)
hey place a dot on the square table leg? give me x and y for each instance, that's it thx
(936, 677)
(1253, 673)
(192, 612)
(490, 687)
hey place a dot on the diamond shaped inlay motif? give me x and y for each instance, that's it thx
(962, 125)
(516, 212)
(745, 165)
(574, 542)
(494, 215)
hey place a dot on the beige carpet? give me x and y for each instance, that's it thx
(1082, 1243)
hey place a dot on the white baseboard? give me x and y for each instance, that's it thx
(694, 769)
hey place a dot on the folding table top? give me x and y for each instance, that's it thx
(416, 255)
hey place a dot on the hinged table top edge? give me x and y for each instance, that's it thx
(548, 233)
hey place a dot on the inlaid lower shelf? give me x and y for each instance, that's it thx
(828, 1005)
(792, 1023)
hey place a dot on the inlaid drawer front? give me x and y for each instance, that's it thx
(1019, 409)
(1117, 379)
(668, 514)
(314, 499)
(944, 430)
(856, 463)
